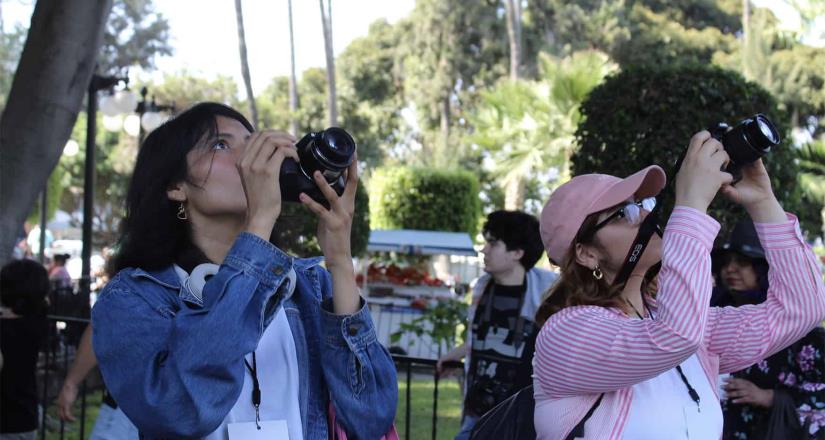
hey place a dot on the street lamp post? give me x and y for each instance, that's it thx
(97, 83)
(149, 113)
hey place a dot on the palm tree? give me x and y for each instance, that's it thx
(250, 96)
(529, 126)
(293, 82)
(326, 23)
(513, 8)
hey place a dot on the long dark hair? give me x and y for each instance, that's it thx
(151, 234)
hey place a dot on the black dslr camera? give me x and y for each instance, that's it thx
(749, 140)
(330, 151)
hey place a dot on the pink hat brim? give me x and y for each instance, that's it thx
(641, 184)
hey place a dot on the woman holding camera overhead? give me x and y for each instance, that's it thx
(207, 329)
(623, 355)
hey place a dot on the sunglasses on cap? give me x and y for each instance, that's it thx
(630, 211)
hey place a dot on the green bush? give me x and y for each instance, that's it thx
(424, 199)
(295, 231)
(647, 114)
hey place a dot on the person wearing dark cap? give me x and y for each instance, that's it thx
(783, 396)
(740, 268)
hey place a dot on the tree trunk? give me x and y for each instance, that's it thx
(293, 82)
(513, 8)
(326, 22)
(514, 192)
(247, 81)
(47, 92)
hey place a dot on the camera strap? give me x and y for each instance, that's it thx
(487, 297)
(649, 226)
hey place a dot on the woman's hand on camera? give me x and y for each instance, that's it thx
(700, 175)
(755, 194)
(260, 168)
(334, 229)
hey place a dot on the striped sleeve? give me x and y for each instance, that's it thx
(591, 349)
(741, 336)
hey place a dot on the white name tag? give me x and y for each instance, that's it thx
(270, 430)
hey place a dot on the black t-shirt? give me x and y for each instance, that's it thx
(20, 341)
(502, 348)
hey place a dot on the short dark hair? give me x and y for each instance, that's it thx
(151, 235)
(24, 285)
(518, 230)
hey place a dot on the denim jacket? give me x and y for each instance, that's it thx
(174, 362)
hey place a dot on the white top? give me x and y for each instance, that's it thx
(662, 408)
(277, 364)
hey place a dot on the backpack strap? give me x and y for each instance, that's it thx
(578, 430)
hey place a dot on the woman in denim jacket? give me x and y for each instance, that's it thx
(192, 349)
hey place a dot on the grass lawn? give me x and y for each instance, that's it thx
(72, 430)
(421, 413)
(449, 411)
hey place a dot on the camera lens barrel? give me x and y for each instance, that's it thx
(751, 139)
(330, 151)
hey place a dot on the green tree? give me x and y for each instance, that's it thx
(135, 35)
(528, 126)
(451, 50)
(185, 89)
(11, 45)
(371, 93)
(812, 176)
(636, 32)
(790, 70)
(646, 115)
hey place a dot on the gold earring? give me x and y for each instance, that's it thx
(182, 212)
(597, 273)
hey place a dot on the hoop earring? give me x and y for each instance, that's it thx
(182, 213)
(597, 273)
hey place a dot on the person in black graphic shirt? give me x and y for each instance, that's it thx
(499, 350)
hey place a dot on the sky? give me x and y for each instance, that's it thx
(204, 34)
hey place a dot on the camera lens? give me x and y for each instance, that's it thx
(750, 139)
(336, 148)
(767, 129)
(330, 152)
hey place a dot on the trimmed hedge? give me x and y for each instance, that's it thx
(647, 114)
(424, 199)
(295, 230)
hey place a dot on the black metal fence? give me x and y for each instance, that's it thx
(59, 351)
(63, 333)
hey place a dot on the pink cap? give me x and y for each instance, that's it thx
(586, 194)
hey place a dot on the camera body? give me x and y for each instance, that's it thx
(330, 151)
(748, 141)
(485, 394)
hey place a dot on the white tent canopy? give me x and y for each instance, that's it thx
(414, 242)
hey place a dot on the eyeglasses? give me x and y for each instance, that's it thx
(631, 212)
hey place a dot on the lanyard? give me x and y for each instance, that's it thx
(691, 391)
(256, 388)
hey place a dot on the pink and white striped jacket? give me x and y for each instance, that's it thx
(584, 351)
